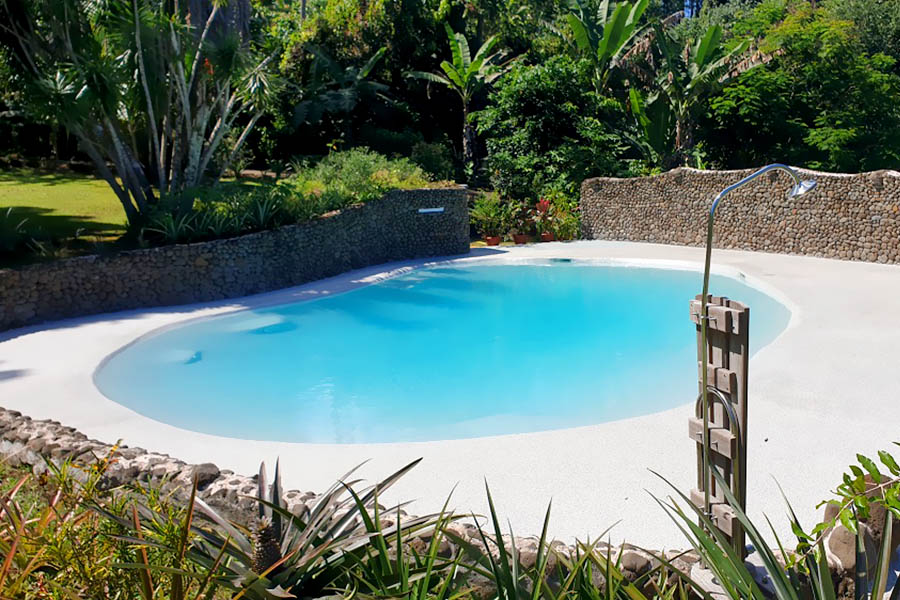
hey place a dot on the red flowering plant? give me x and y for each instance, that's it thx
(543, 215)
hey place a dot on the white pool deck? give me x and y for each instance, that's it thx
(827, 388)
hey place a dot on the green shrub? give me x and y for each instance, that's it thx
(435, 159)
(342, 179)
(565, 220)
(64, 536)
(487, 214)
(546, 127)
(841, 113)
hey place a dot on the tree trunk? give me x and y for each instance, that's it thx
(233, 17)
(684, 141)
(468, 147)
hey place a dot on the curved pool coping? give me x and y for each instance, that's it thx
(801, 401)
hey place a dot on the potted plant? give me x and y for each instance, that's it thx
(563, 221)
(543, 217)
(487, 216)
(567, 226)
(521, 222)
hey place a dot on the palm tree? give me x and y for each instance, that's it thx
(466, 75)
(686, 76)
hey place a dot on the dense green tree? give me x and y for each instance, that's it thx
(687, 75)
(412, 33)
(877, 23)
(546, 127)
(821, 101)
(725, 15)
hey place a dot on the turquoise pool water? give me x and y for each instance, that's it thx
(438, 353)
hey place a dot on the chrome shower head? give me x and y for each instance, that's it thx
(802, 187)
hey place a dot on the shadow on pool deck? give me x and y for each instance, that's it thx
(13, 373)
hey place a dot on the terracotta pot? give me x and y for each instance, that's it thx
(492, 240)
(520, 238)
(547, 236)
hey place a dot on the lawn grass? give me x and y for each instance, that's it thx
(482, 244)
(62, 205)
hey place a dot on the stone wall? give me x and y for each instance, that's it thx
(852, 217)
(381, 231)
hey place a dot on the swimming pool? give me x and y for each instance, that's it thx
(448, 352)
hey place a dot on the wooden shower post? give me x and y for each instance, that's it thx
(728, 355)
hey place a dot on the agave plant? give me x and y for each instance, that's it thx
(284, 555)
(177, 575)
(216, 222)
(552, 575)
(264, 209)
(172, 228)
(393, 568)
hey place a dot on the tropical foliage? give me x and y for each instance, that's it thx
(140, 88)
(522, 97)
(465, 76)
(65, 535)
(605, 33)
(804, 572)
(546, 127)
(690, 74)
(822, 100)
(338, 181)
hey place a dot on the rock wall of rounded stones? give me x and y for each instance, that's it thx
(381, 231)
(851, 217)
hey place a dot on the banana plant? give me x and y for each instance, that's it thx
(605, 36)
(466, 75)
(337, 90)
(687, 76)
(655, 126)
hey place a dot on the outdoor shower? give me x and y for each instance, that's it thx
(800, 187)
